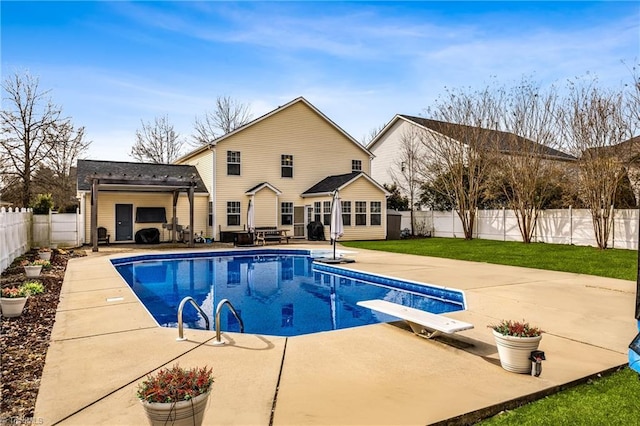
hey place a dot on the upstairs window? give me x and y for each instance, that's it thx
(233, 213)
(356, 165)
(376, 213)
(361, 213)
(286, 166)
(233, 163)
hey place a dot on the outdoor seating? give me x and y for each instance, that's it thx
(270, 233)
(102, 235)
(423, 323)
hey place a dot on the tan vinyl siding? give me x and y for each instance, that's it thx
(265, 208)
(107, 211)
(363, 190)
(360, 190)
(204, 164)
(319, 150)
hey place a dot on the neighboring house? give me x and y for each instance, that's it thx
(287, 163)
(387, 145)
(128, 197)
(628, 152)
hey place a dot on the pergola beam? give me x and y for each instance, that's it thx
(143, 184)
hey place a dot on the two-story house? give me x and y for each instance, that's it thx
(288, 163)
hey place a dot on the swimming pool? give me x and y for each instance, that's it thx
(276, 292)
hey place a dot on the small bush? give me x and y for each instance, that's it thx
(43, 203)
(33, 287)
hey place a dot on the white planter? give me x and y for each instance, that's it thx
(185, 413)
(33, 271)
(44, 255)
(514, 352)
(12, 306)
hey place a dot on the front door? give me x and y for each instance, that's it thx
(124, 222)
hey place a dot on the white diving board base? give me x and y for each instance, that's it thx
(423, 323)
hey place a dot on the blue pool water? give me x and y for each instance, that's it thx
(276, 292)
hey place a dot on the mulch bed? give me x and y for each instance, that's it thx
(24, 340)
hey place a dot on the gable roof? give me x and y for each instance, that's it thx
(160, 174)
(329, 184)
(260, 186)
(269, 114)
(505, 141)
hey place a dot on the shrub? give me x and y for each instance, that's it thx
(43, 203)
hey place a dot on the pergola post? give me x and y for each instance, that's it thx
(191, 191)
(94, 214)
(174, 220)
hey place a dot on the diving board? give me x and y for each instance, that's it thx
(423, 323)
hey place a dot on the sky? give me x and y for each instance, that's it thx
(112, 65)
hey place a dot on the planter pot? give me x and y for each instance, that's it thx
(45, 255)
(33, 271)
(185, 413)
(514, 352)
(12, 306)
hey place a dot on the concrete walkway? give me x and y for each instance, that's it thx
(104, 342)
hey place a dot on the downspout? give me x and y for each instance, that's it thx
(214, 203)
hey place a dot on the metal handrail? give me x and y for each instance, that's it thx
(217, 323)
(181, 307)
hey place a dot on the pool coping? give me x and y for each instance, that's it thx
(378, 374)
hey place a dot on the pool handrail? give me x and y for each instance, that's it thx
(223, 302)
(181, 308)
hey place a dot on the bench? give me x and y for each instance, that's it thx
(270, 233)
(423, 323)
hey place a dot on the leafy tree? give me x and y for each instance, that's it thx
(157, 142)
(396, 201)
(42, 204)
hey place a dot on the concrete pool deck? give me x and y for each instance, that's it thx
(104, 342)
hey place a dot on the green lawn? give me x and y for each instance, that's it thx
(611, 400)
(557, 257)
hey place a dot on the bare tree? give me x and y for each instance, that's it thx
(227, 116)
(27, 116)
(371, 135)
(69, 145)
(406, 167)
(456, 146)
(595, 122)
(527, 154)
(157, 142)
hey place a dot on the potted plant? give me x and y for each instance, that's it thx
(12, 301)
(515, 341)
(33, 269)
(44, 253)
(176, 395)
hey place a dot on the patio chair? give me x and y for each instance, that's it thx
(102, 235)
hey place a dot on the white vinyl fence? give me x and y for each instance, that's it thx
(15, 233)
(21, 229)
(567, 226)
(57, 230)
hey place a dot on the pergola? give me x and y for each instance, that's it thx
(140, 183)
